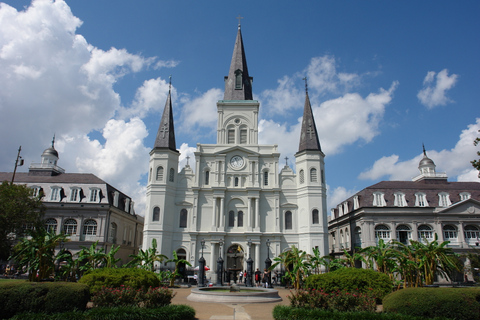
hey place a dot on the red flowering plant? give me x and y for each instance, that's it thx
(156, 297)
(128, 296)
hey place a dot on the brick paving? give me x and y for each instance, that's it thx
(225, 311)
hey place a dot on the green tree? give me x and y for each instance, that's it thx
(383, 255)
(146, 259)
(36, 254)
(18, 209)
(90, 258)
(109, 260)
(476, 163)
(177, 262)
(297, 265)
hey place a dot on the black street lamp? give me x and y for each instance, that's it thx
(249, 265)
(268, 264)
(220, 265)
(201, 267)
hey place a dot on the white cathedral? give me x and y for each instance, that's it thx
(237, 200)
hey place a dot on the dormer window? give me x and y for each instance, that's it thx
(55, 194)
(444, 199)
(379, 199)
(400, 200)
(238, 80)
(345, 207)
(421, 200)
(465, 196)
(94, 195)
(356, 204)
(75, 194)
(36, 191)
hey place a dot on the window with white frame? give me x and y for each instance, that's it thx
(425, 232)
(444, 199)
(171, 177)
(231, 218)
(399, 200)
(112, 235)
(243, 136)
(302, 176)
(75, 194)
(356, 203)
(288, 220)
(231, 136)
(404, 233)
(471, 232)
(183, 218)
(51, 225)
(357, 237)
(90, 227)
(313, 175)
(159, 174)
(70, 227)
(240, 219)
(382, 232)
(449, 232)
(36, 191)
(156, 214)
(345, 207)
(265, 178)
(421, 200)
(315, 217)
(55, 194)
(207, 178)
(465, 196)
(379, 199)
(94, 195)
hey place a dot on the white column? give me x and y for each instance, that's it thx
(249, 215)
(257, 256)
(222, 213)
(257, 214)
(212, 265)
(214, 218)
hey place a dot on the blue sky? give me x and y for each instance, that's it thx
(384, 77)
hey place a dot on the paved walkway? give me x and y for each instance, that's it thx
(223, 311)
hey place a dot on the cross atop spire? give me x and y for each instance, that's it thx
(170, 83)
(239, 21)
(306, 84)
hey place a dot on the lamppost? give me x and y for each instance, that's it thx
(201, 267)
(220, 265)
(18, 162)
(268, 263)
(249, 265)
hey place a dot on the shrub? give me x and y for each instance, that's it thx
(116, 277)
(126, 296)
(340, 300)
(170, 312)
(352, 279)
(48, 297)
(457, 303)
(288, 313)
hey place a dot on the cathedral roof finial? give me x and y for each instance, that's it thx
(306, 84)
(170, 83)
(424, 152)
(239, 21)
(53, 141)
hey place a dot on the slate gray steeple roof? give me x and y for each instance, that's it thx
(308, 136)
(238, 84)
(166, 131)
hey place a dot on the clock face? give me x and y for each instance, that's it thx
(236, 162)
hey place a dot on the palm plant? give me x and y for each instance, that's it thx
(146, 259)
(91, 257)
(177, 262)
(297, 265)
(109, 260)
(36, 254)
(383, 255)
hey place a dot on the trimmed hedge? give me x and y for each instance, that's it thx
(288, 313)
(44, 297)
(352, 279)
(457, 303)
(116, 277)
(170, 312)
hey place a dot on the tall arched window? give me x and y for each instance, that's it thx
(172, 175)
(70, 226)
(302, 176)
(425, 232)
(231, 218)
(112, 235)
(160, 174)
(315, 217)
(156, 214)
(236, 181)
(240, 219)
(450, 232)
(265, 178)
(471, 233)
(404, 233)
(90, 228)
(51, 225)
(313, 175)
(183, 218)
(357, 237)
(288, 220)
(382, 232)
(207, 177)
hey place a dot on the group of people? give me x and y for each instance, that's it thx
(262, 279)
(8, 270)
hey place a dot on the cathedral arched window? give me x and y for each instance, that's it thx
(183, 218)
(315, 218)
(240, 219)
(313, 175)
(236, 181)
(159, 173)
(243, 135)
(265, 178)
(302, 176)
(231, 219)
(171, 177)
(288, 220)
(231, 136)
(156, 214)
(51, 225)
(207, 177)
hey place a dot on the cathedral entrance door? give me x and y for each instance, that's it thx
(235, 259)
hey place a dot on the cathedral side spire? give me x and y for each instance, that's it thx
(238, 84)
(308, 135)
(166, 130)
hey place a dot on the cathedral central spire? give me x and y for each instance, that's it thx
(238, 84)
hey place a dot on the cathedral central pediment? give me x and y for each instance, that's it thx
(237, 148)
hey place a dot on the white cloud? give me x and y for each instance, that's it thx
(186, 151)
(338, 195)
(434, 92)
(456, 161)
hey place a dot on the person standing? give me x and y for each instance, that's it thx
(240, 276)
(258, 275)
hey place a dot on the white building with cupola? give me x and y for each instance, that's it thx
(236, 191)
